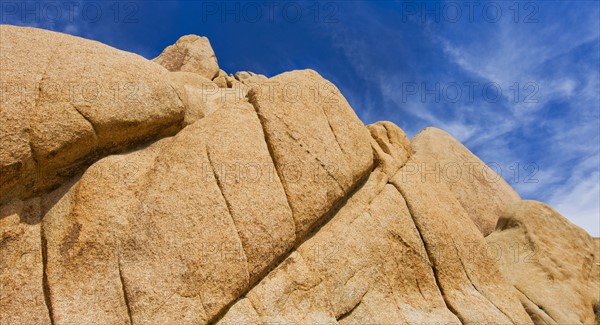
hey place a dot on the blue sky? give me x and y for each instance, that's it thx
(516, 82)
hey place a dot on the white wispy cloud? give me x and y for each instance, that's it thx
(519, 54)
(578, 198)
(543, 54)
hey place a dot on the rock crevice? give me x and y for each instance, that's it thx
(428, 253)
(45, 285)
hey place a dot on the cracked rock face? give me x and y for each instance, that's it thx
(251, 200)
(469, 280)
(66, 101)
(367, 265)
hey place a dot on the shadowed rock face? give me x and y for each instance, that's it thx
(269, 201)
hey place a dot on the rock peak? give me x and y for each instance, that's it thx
(191, 53)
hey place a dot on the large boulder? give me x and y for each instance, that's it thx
(549, 261)
(241, 199)
(480, 190)
(176, 231)
(318, 143)
(367, 265)
(190, 222)
(191, 53)
(467, 275)
(67, 101)
(401, 248)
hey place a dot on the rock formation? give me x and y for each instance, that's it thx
(190, 53)
(549, 261)
(67, 101)
(169, 192)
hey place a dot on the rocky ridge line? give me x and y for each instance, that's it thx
(220, 199)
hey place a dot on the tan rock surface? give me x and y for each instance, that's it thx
(467, 276)
(595, 278)
(222, 79)
(439, 258)
(83, 233)
(71, 100)
(390, 145)
(191, 53)
(271, 202)
(317, 142)
(549, 260)
(480, 190)
(191, 241)
(199, 95)
(250, 78)
(187, 223)
(21, 264)
(367, 265)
